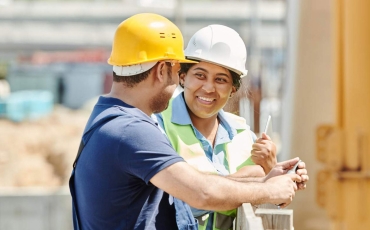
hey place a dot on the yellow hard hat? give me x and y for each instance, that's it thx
(146, 38)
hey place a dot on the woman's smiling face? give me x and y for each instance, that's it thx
(207, 87)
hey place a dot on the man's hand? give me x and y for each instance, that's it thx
(283, 189)
(264, 153)
(283, 167)
(302, 172)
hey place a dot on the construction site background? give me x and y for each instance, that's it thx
(63, 49)
(58, 49)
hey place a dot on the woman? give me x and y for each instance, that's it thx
(208, 138)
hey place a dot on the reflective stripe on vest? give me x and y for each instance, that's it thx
(184, 141)
(220, 221)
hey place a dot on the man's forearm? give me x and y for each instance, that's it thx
(246, 179)
(249, 171)
(214, 192)
(228, 193)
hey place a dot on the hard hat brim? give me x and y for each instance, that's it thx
(240, 73)
(188, 61)
(180, 60)
(130, 70)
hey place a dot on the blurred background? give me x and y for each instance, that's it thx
(308, 62)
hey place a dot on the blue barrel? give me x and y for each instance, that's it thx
(2, 108)
(29, 105)
(15, 107)
(39, 104)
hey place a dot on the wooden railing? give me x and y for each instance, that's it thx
(265, 217)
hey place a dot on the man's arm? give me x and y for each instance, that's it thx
(249, 173)
(213, 192)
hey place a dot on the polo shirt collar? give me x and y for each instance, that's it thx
(121, 105)
(180, 113)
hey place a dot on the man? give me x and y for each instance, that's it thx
(127, 174)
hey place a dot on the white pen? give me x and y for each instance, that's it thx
(267, 124)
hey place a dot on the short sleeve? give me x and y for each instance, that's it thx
(145, 150)
(249, 160)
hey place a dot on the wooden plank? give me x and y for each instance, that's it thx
(276, 219)
(247, 220)
(267, 206)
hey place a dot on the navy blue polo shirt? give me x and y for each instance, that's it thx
(124, 149)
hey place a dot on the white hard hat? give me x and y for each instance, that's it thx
(220, 45)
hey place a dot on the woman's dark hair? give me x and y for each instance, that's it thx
(236, 77)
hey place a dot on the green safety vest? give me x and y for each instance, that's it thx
(184, 141)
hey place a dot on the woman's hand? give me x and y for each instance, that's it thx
(264, 153)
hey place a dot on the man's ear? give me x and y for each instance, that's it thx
(160, 71)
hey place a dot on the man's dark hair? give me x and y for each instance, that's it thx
(236, 77)
(131, 81)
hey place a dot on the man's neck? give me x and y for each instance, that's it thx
(132, 96)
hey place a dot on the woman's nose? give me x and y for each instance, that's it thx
(209, 87)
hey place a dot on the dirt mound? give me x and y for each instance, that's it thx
(40, 153)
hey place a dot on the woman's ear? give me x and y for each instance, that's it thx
(182, 79)
(233, 91)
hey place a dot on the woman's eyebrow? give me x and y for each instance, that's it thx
(202, 69)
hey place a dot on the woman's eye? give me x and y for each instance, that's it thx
(221, 80)
(200, 75)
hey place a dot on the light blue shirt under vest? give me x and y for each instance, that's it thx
(225, 133)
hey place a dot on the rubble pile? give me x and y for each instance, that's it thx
(40, 153)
